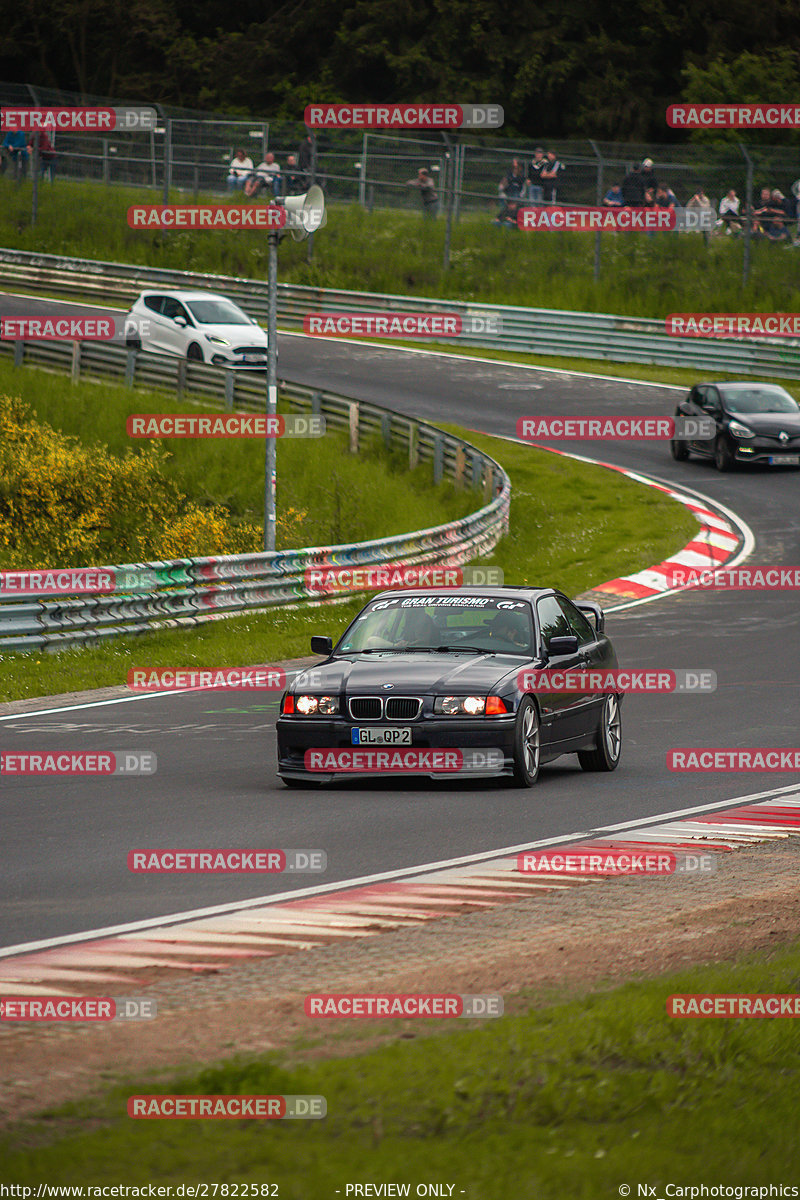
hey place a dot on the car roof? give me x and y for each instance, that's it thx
(187, 295)
(497, 593)
(727, 384)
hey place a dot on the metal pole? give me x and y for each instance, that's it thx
(599, 198)
(35, 181)
(748, 208)
(271, 461)
(167, 157)
(310, 253)
(447, 192)
(362, 172)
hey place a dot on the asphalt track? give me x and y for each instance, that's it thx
(64, 843)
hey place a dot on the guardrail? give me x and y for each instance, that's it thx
(193, 590)
(531, 330)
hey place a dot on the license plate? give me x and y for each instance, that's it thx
(253, 358)
(377, 735)
(785, 460)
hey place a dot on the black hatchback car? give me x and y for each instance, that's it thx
(428, 670)
(754, 422)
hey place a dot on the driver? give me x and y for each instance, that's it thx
(512, 628)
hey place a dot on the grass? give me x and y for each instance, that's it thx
(344, 497)
(572, 525)
(574, 1098)
(638, 276)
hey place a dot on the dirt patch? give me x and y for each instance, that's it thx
(532, 951)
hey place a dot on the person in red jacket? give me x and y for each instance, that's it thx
(47, 154)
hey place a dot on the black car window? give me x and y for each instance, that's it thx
(713, 401)
(552, 621)
(154, 303)
(696, 396)
(578, 623)
(173, 308)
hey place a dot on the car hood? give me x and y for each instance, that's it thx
(769, 423)
(237, 334)
(414, 674)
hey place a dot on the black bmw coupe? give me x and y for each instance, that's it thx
(428, 681)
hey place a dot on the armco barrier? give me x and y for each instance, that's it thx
(535, 330)
(193, 590)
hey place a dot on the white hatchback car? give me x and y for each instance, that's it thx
(201, 326)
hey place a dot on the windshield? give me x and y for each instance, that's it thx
(217, 312)
(446, 623)
(759, 400)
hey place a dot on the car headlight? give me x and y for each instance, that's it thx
(460, 706)
(311, 706)
(218, 341)
(740, 431)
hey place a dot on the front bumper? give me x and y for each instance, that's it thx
(764, 450)
(296, 735)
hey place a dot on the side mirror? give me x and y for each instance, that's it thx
(324, 645)
(563, 645)
(181, 321)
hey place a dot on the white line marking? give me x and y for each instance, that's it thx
(384, 876)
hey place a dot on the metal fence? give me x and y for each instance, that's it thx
(186, 592)
(533, 330)
(191, 151)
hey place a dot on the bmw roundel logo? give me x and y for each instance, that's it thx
(387, 687)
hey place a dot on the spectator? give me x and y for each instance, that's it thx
(767, 220)
(47, 155)
(662, 197)
(633, 188)
(729, 212)
(293, 182)
(784, 213)
(649, 175)
(538, 164)
(427, 192)
(513, 185)
(241, 166)
(699, 200)
(550, 176)
(614, 197)
(15, 146)
(649, 198)
(507, 216)
(266, 175)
